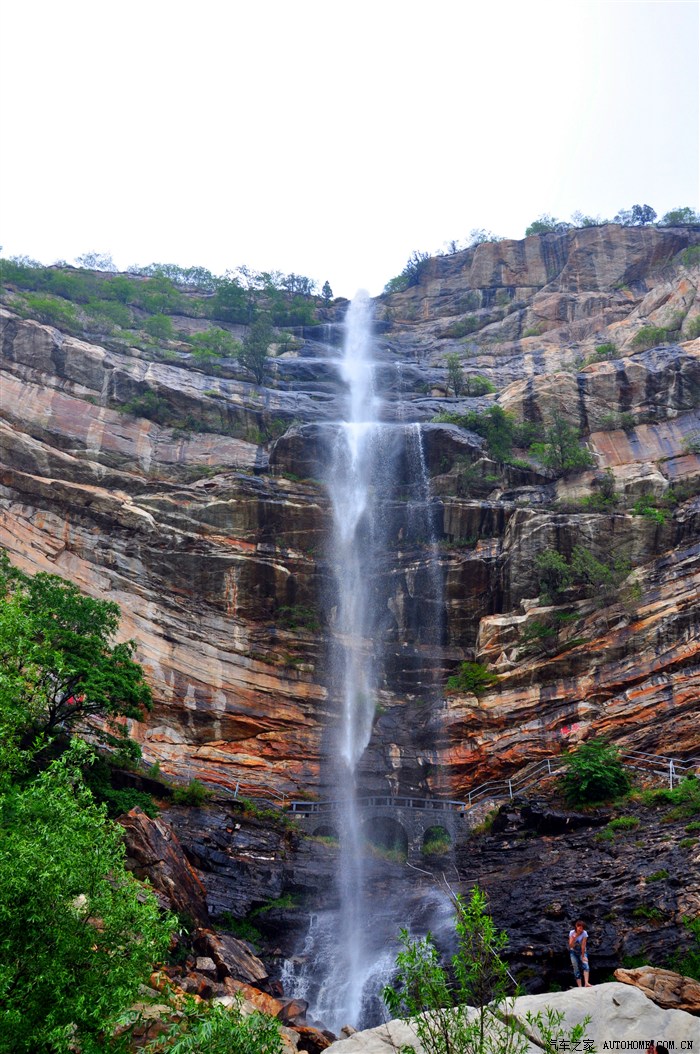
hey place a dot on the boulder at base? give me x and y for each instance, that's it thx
(617, 1012)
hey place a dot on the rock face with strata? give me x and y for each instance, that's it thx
(214, 542)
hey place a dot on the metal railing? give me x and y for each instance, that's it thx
(376, 801)
(670, 770)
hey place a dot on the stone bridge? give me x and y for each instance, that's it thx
(404, 824)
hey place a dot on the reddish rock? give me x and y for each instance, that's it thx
(667, 989)
(153, 852)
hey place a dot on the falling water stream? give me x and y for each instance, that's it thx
(348, 953)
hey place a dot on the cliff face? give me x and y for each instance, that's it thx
(214, 542)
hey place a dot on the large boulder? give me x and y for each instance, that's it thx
(664, 987)
(153, 852)
(617, 1012)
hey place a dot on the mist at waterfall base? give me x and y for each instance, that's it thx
(349, 951)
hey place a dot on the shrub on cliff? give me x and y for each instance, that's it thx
(562, 449)
(594, 774)
(472, 677)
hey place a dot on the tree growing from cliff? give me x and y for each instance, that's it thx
(562, 449)
(60, 669)
(253, 354)
(465, 1007)
(455, 373)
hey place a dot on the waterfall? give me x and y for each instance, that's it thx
(349, 952)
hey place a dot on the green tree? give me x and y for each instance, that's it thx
(160, 327)
(96, 261)
(554, 575)
(595, 773)
(229, 303)
(78, 934)
(472, 677)
(253, 354)
(681, 217)
(59, 667)
(562, 449)
(455, 373)
(546, 224)
(327, 292)
(466, 1009)
(212, 344)
(412, 273)
(637, 216)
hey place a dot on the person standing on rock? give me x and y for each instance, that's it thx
(578, 940)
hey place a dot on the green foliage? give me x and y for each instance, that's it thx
(602, 353)
(687, 963)
(684, 799)
(468, 1006)
(599, 578)
(150, 405)
(241, 928)
(647, 506)
(195, 793)
(51, 311)
(78, 934)
(160, 327)
(555, 575)
(253, 354)
(687, 843)
(646, 911)
(594, 774)
(546, 224)
(60, 669)
(624, 823)
(463, 327)
(562, 449)
(657, 876)
(475, 384)
(411, 275)
(159, 296)
(692, 329)
(436, 842)
(455, 373)
(472, 677)
(690, 256)
(110, 311)
(327, 292)
(299, 617)
(537, 636)
(650, 337)
(212, 1028)
(681, 217)
(213, 344)
(97, 777)
(637, 216)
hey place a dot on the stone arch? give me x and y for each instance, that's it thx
(437, 841)
(386, 834)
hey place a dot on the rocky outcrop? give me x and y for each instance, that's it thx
(664, 987)
(616, 1012)
(154, 854)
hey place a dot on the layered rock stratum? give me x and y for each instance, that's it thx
(214, 542)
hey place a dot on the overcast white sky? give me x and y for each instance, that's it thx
(333, 138)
